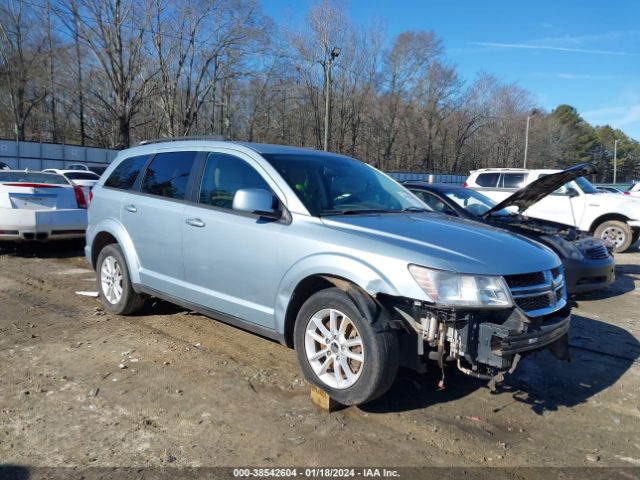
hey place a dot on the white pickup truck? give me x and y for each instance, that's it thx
(575, 201)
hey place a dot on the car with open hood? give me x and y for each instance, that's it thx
(325, 254)
(588, 263)
(573, 200)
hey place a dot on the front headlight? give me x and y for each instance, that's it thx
(456, 290)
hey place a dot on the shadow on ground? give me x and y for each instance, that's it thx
(626, 276)
(57, 249)
(601, 353)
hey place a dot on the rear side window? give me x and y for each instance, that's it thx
(488, 179)
(82, 176)
(223, 176)
(125, 174)
(512, 180)
(33, 177)
(168, 174)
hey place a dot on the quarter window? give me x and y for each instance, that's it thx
(223, 176)
(488, 179)
(125, 174)
(168, 174)
(512, 180)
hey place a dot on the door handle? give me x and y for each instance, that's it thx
(195, 222)
(131, 208)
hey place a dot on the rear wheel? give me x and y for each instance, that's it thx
(617, 232)
(114, 283)
(340, 352)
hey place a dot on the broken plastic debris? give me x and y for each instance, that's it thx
(88, 294)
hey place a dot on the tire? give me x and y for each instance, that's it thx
(111, 269)
(372, 376)
(618, 232)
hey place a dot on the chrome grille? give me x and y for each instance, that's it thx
(538, 293)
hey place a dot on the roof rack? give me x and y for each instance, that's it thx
(217, 138)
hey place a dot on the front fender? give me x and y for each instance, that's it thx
(365, 276)
(113, 227)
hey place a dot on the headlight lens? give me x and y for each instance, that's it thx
(454, 289)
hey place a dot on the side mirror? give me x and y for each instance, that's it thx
(572, 192)
(255, 200)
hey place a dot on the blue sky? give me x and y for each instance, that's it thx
(583, 53)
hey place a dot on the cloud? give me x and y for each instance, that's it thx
(553, 48)
(623, 116)
(620, 116)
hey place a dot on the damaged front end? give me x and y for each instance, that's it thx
(485, 343)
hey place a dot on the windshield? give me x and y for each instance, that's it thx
(585, 185)
(32, 177)
(473, 202)
(82, 176)
(332, 185)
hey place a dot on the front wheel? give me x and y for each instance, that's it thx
(114, 283)
(617, 232)
(340, 352)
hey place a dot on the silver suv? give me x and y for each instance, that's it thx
(325, 254)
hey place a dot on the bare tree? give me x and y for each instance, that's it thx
(22, 55)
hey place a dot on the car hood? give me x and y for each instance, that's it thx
(450, 243)
(540, 188)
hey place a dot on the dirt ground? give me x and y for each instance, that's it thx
(196, 392)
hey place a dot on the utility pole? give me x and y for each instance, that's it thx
(615, 161)
(526, 142)
(327, 91)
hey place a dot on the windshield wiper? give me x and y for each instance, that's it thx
(415, 209)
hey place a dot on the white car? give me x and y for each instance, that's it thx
(84, 178)
(40, 206)
(575, 201)
(634, 190)
(77, 166)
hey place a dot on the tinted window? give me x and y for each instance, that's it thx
(82, 176)
(168, 174)
(512, 180)
(434, 202)
(223, 176)
(487, 179)
(125, 174)
(33, 177)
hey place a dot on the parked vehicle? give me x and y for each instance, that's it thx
(40, 206)
(77, 166)
(605, 189)
(634, 190)
(588, 264)
(98, 170)
(83, 178)
(4, 166)
(615, 218)
(325, 254)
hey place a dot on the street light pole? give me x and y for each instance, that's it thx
(327, 91)
(526, 141)
(615, 161)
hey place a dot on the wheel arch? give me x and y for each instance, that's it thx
(111, 232)
(358, 280)
(605, 218)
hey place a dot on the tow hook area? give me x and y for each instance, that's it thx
(483, 344)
